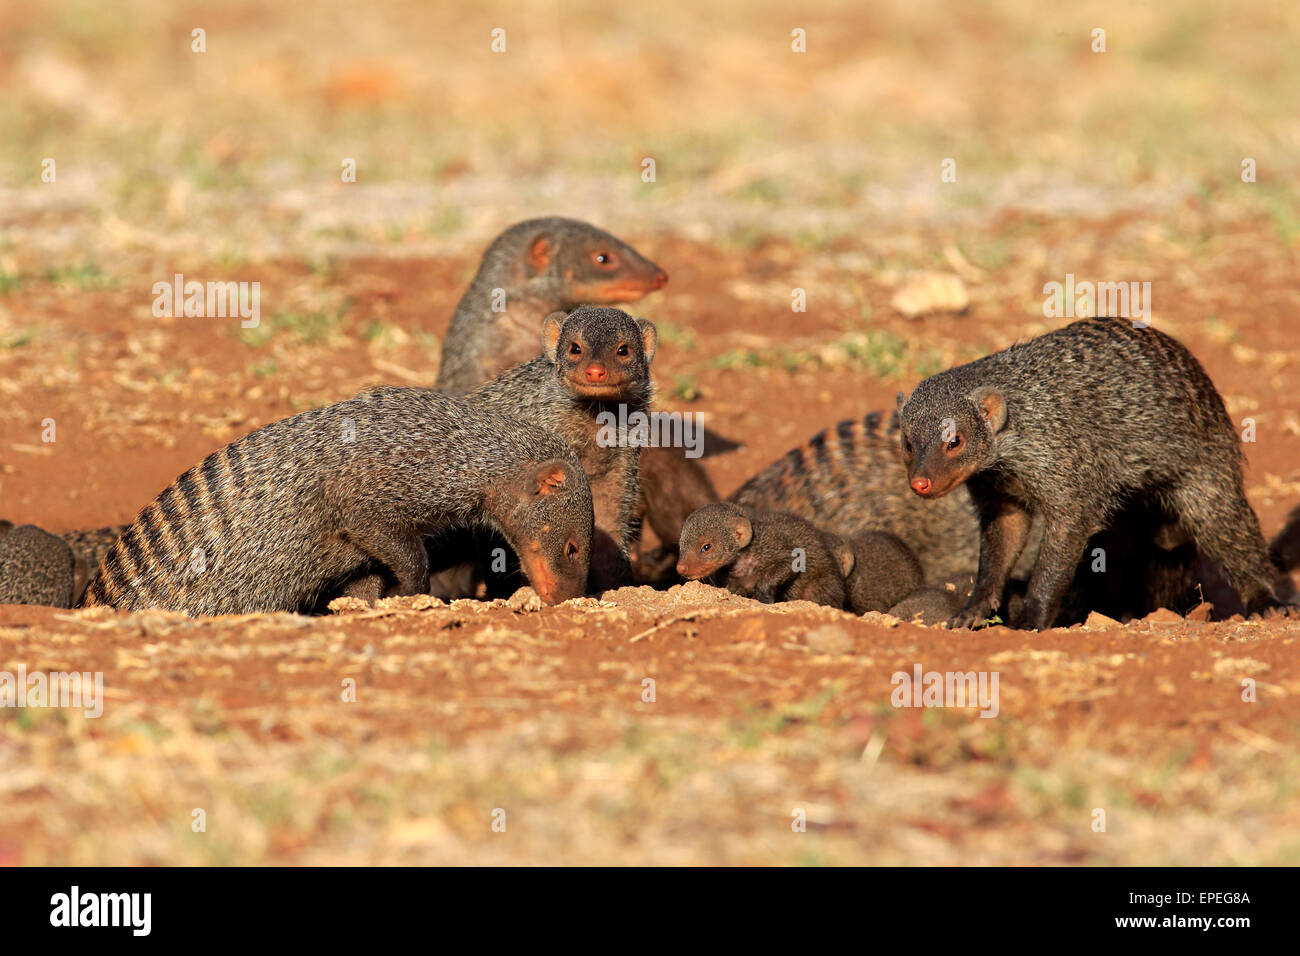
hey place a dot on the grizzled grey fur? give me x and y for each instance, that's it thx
(290, 512)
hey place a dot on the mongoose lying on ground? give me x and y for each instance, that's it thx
(883, 571)
(539, 266)
(293, 510)
(35, 567)
(593, 362)
(1067, 427)
(929, 605)
(848, 477)
(768, 556)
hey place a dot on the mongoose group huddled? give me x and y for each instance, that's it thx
(985, 496)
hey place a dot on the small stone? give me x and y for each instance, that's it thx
(1099, 622)
(927, 292)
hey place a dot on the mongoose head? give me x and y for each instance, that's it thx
(545, 513)
(948, 437)
(712, 538)
(585, 264)
(600, 353)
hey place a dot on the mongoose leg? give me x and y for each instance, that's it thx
(1227, 530)
(369, 588)
(1003, 529)
(404, 555)
(1058, 556)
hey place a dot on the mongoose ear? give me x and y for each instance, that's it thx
(900, 400)
(991, 406)
(552, 477)
(743, 531)
(649, 338)
(540, 252)
(551, 326)
(845, 554)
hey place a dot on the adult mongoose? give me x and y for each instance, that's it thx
(1068, 427)
(769, 556)
(532, 269)
(589, 386)
(35, 567)
(298, 507)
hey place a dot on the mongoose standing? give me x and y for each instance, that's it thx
(883, 571)
(769, 556)
(594, 372)
(532, 269)
(35, 567)
(277, 519)
(1067, 427)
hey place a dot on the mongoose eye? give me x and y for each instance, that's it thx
(571, 550)
(955, 443)
(575, 348)
(603, 258)
(624, 350)
(705, 548)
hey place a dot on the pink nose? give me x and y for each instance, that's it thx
(921, 486)
(596, 373)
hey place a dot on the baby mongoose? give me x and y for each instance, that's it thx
(532, 269)
(768, 556)
(929, 605)
(35, 567)
(595, 362)
(848, 477)
(882, 571)
(672, 489)
(295, 509)
(1067, 427)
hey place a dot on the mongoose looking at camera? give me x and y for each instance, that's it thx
(295, 509)
(768, 556)
(593, 361)
(1069, 427)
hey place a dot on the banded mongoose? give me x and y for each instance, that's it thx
(593, 373)
(769, 556)
(882, 571)
(35, 567)
(532, 269)
(848, 477)
(298, 507)
(928, 605)
(672, 489)
(1067, 427)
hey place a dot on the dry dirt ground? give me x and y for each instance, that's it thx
(404, 733)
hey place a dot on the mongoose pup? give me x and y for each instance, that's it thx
(532, 269)
(593, 373)
(929, 605)
(768, 556)
(286, 514)
(848, 477)
(1067, 427)
(35, 567)
(882, 571)
(670, 494)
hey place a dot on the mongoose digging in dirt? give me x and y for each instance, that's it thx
(768, 556)
(293, 510)
(1069, 427)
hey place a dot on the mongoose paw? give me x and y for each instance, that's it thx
(975, 615)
